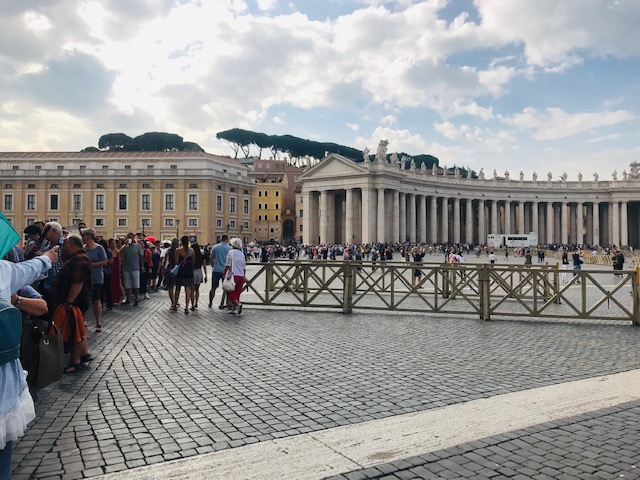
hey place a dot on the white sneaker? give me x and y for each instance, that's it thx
(146, 295)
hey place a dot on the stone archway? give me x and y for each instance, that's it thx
(288, 232)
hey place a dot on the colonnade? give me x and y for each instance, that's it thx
(367, 214)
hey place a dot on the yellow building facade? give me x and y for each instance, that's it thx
(160, 194)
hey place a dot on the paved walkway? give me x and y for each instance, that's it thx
(168, 386)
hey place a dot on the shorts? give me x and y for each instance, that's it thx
(216, 279)
(131, 279)
(97, 292)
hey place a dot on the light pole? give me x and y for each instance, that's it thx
(143, 235)
(178, 229)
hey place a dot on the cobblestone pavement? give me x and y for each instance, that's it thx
(167, 385)
(598, 445)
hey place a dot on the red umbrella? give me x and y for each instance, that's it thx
(151, 239)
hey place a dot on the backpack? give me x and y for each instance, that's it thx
(10, 332)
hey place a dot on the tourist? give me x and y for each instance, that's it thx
(199, 274)
(155, 265)
(418, 255)
(98, 257)
(115, 286)
(131, 267)
(184, 257)
(16, 404)
(168, 277)
(236, 267)
(564, 260)
(493, 259)
(147, 265)
(107, 297)
(52, 237)
(577, 262)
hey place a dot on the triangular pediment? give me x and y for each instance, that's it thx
(332, 166)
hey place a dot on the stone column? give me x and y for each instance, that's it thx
(596, 223)
(411, 199)
(324, 215)
(482, 232)
(380, 214)
(456, 220)
(348, 224)
(422, 219)
(307, 229)
(367, 214)
(564, 233)
(444, 234)
(521, 217)
(624, 225)
(615, 236)
(507, 217)
(535, 220)
(579, 223)
(549, 229)
(396, 217)
(433, 221)
(403, 217)
(494, 217)
(572, 224)
(468, 222)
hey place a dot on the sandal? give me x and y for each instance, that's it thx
(186, 311)
(72, 368)
(86, 358)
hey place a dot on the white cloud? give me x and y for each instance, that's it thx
(266, 5)
(353, 126)
(605, 138)
(277, 120)
(388, 120)
(554, 123)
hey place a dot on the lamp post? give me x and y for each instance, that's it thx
(178, 229)
(143, 234)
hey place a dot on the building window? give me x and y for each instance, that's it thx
(99, 201)
(300, 228)
(54, 186)
(218, 223)
(31, 221)
(232, 224)
(99, 185)
(246, 192)
(260, 193)
(259, 206)
(232, 205)
(168, 185)
(123, 185)
(277, 217)
(146, 202)
(245, 207)
(38, 167)
(77, 185)
(277, 206)
(146, 185)
(99, 222)
(259, 218)
(169, 201)
(8, 202)
(193, 185)
(219, 203)
(122, 222)
(266, 193)
(277, 193)
(232, 189)
(31, 186)
(127, 167)
(83, 167)
(105, 167)
(193, 202)
(245, 225)
(300, 213)
(53, 202)
(150, 167)
(173, 167)
(168, 222)
(8, 186)
(31, 202)
(193, 222)
(77, 202)
(122, 202)
(146, 222)
(266, 218)
(60, 167)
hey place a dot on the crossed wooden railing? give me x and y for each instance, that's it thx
(472, 289)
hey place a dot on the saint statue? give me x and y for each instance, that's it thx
(495, 174)
(579, 176)
(481, 174)
(433, 169)
(535, 177)
(394, 158)
(365, 155)
(456, 172)
(624, 175)
(521, 176)
(615, 175)
(563, 177)
(595, 176)
(381, 154)
(413, 165)
(506, 175)
(549, 176)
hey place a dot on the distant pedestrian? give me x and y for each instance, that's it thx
(236, 267)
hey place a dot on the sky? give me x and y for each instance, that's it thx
(517, 85)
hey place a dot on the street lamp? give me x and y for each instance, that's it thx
(143, 235)
(177, 228)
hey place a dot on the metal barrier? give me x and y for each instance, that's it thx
(469, 289)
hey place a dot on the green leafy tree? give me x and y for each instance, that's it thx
(90, 149)
(157, 142)
(115, 141)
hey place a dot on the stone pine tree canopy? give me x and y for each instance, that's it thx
(147, 142)
(243, 140)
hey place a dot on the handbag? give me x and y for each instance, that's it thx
(10, 332)
(42, 353)
(174, 270)
(228, 284)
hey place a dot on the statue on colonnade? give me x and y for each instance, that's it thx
(381, 154)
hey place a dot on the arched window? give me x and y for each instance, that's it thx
(277, 193)
(259, 193)
(260, 218)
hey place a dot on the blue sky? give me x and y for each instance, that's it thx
(549, 85)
